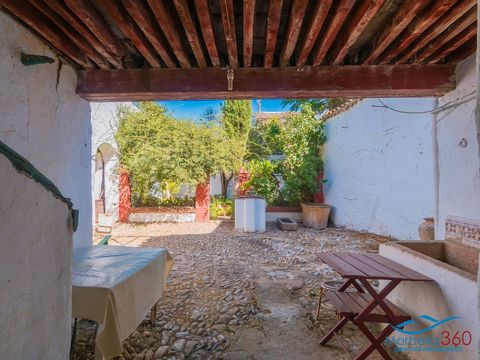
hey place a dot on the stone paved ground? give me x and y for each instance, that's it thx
(239, 296)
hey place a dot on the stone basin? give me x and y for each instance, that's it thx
(453, 266)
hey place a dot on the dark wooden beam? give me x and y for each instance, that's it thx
(452, 45)
(466, 20)
(74, 36)
(342, 9)
(164, 20)
(228, 21)
(401, 19)
(357, 23)
(141, 16)
(93, 20)
(417, 27)
(317, 20)
(288, 82)
(131, 31)
(248, 22)
(41, 24)
(80, 27)
(207, 30)
(190, 31)
(273, 21)
(437, 28)
(463, 52)
(297, 14)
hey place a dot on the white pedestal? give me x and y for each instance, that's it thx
(250, 214)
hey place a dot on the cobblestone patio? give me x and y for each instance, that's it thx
(237, 296)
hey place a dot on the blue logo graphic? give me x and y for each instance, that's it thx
(400, 327)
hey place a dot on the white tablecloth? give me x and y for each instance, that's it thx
(117, 286)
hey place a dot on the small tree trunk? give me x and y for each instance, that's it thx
(224, 181)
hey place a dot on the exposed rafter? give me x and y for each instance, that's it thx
(316, 23)
(452, 45)
(297, 14)
(273, 21)
(322, 81)
(228, 21)
(165, 22)
(190, 31)
(417, 27)
(207, 30)
(463, 52)
(248, 22)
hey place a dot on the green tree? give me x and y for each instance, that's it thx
(156, 148)
(318, 106)
(236, 120)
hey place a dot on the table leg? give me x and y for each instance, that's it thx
(353, 282)
(153, 316)
(378, 299)
(376, 342)
(343, 321)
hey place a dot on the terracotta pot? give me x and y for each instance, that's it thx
(316, 215)
(426, 230)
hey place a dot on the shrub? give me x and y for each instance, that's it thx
(219, 206)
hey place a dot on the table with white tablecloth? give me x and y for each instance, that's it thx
(116, 286)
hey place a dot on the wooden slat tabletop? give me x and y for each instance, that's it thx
(369, 266)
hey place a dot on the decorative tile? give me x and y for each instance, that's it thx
(464, 230)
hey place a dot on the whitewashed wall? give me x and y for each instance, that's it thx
(379, 166)
(459, 177)
(43, 119)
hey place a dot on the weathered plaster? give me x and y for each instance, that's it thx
(43, 119)
(379, 167)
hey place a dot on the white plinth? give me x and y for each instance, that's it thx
(250, 214)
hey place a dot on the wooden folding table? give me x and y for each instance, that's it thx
(367, 305)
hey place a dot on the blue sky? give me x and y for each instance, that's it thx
(193, 109)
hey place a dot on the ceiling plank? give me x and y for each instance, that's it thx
(248, 22)
(80, 27)
(207, 30)
(437, 28)
(190, 31)
(318, 19)
(417, 27)
(295, 20)
(273, 21)
(401, 19)
(40, 23)
(439, 41)
(93, 20)
(74, 36)
(228, 21)
(342, 10)
(142, 17)
(452, 45)
(463, 52)
(131, 31)
(321, 81)
(359, 20)
(164, 20)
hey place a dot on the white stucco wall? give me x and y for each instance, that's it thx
(35, 270)
(43, 119)
(459, 177)
(379, 167)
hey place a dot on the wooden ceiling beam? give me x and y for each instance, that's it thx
(342, 9)
(318, 19)
(164, 20)
(417, 27)
(40, 23)
(207, 31)
(437, 28)
(248, 22)
(80, 27)
(273, 22)
(94, 21)
(295, 21)
(288, 82)
(452, 45)
(74, 36)
(228, 21)
(359, 20)
(141, 16)
(467, 20)
(401, 19)
(463, 52)
(190, 31)
(131, 31)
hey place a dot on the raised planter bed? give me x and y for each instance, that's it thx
(162, 214)
(276, 212)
